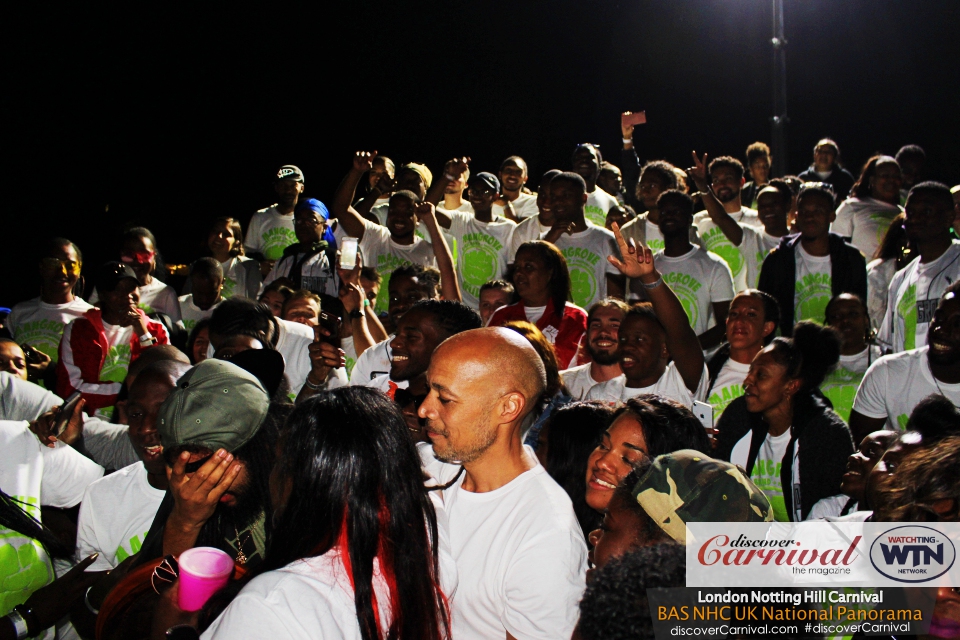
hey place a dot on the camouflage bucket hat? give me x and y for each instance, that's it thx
(687, 486)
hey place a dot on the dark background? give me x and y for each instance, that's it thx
(170, 117)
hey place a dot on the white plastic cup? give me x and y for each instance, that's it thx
(203, 572)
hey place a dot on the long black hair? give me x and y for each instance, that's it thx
(356, 482)
(667, 425)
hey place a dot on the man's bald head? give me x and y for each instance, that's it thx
(504, 360)
(158, 353)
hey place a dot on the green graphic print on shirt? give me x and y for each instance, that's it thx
(44, 335)
(655, 244)
(814, 291)
(276, 240)
(841, 388)
(351, 363)
(583, 283)
(883, 221)
(686, 287)
(189, 324)
(116, 363)
(24, 566)
(133, 547)
(720, 398)
(766, 475)
(229, 285)
(595, 214)
(480, 261)
(715, 241)
(907, 309)
(386, 265)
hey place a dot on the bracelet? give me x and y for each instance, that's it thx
(366, 302)
(86, 601)
(356, 314)
(628, 140)
(19, 624)
(29, 619)
(653, 285)
(311, 386)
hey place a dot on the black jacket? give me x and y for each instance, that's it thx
(840, 178)
(825, 445)
(778, 275)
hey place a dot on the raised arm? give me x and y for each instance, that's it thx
(682, 341)
(342, 208)
(449, 286)
(719, 215)
(453, 168)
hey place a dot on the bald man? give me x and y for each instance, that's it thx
(520, 553)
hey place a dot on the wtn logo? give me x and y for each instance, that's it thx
(912, 554)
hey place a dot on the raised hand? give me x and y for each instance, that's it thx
(698, 172)
(323, 357)
(363, 160)
(637, 261)
(626, 129)
(352, 296)
(45, 428)
(426, 212)
(197, 494)
(458, 166)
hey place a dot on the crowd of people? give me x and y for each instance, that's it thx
(445, 405)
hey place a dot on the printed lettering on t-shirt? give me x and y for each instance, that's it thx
(481, 261)
(814, 291)
(595, 214)
(720, 398)
(134, 543)
(717, 242)
(907, 309)
(276, 240)
(42, 334)
(685, 287)
(583, 281)
(766, 475)
(840, 387)
(655, 244)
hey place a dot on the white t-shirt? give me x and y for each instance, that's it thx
(912, 299)
(586, 253)
(653, 236)
(481, 252)
(108, 443)
(36, 476)
(22, 400)
(756, 244)
(813, 288)
(670, 385)
(192, 314)
(383, 253)
(239, 281)
(40, 325)
(841, 385)
(349, 354)
(895, 384)
(527, 231)
(831, 507)
(715, 241)
(520, 555)
(380, 209)
(316, 273)
(698, 278)
(115, 515)
(155, 296)
(372, 363)
(879, 275)
(728, 386)
(383, 384)
(533, 314)
(865, 221)
(525, 206)
(270, 233)
(293, 343)
(578, 381)
(598, 204)
(766, 468)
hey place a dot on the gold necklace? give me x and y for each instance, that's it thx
(241, 556)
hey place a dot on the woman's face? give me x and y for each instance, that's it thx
(274, 300)
(618, 533)
(141, 256)
(767, 383)
(746, 324)
(881, 477)
(886, 181)
(861, 462)
(222, 241)
(531, 278)
(622, 447)
(200, 346)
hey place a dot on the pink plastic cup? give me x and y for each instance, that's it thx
(203, 571)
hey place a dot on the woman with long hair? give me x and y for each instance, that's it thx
(894, 253)
(354, 543)
(542, 282)
(874, 202)
(241, 275)
(782, 430)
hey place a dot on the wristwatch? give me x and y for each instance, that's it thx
(356, 314)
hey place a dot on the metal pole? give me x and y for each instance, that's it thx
(779, 119)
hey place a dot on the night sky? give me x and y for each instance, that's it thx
(173, 118)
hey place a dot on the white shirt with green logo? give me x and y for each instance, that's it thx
(586, 253)
(270, 233)
(865, 221)
(813, 286)
(40, 325)
(349, 354)
(766, 468)
(714, 240)
(35, 476)
(653, 235)
(698, 278)
(115, 516)
(913, 296)
(192, 314)
(385, 255)
(728, 386)
(481, 252)
(841, 385)
(236, 279)
(895, 384)
(598, 204)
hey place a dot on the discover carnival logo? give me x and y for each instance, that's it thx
(912, 554)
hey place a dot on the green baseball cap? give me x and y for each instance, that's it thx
(216, 404)
(687, 486)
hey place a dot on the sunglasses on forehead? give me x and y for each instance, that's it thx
(137, 257)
